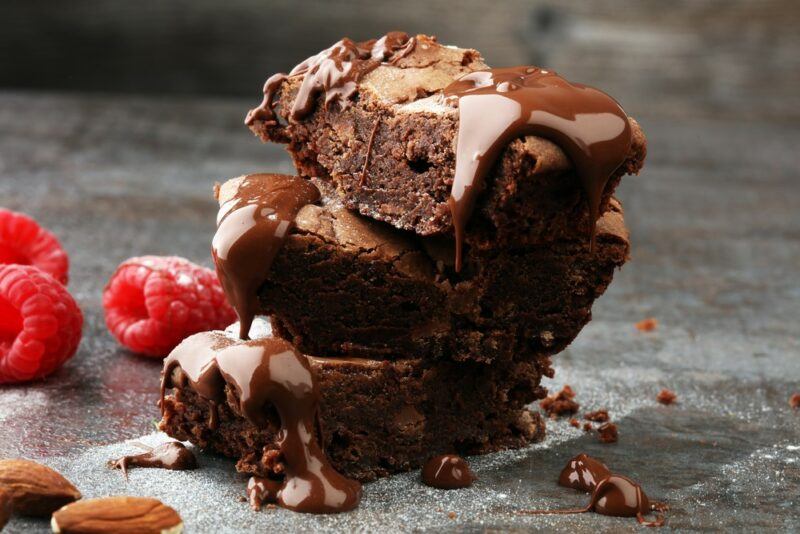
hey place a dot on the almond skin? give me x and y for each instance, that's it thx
(5, 508)
(121, 515)
(35, 489)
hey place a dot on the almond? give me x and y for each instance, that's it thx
(121, 515)
(35, 489)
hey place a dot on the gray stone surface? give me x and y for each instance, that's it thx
(716, 259)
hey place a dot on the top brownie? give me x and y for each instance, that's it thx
(532, 195)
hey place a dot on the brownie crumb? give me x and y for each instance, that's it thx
(587, 427)
(451, 515)
(574, 422)
(607, 433)
(666, 396)
(561, 403)
(647, 325)
(598, 416)
(794, 401)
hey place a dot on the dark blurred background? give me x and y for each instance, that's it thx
(680, 57)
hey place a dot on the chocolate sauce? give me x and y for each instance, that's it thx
(262, 491)
(371, 141)
(447, 471)
(614, 495)
(334, 72)
(251, 228)
(498, 105)
(264, 372)
(583, 473)
(172, 455)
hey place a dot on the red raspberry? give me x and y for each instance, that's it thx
(24, 242)
(153, 302)
(40, 323)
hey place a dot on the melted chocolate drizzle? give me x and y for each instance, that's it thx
(172, 455)
(447, 471)
(334, 72)
(263, 372)
(251, 229)
(583, 473)
(614, 495)
(498, 105)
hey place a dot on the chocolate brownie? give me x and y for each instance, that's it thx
(399, 132)
(376, 417)
(345, 285)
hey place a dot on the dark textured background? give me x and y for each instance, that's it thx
(117, 117)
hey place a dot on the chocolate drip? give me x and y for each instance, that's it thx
(367, 156)
(583, 473)
(251, 228)
(264, 372)
(614, 495)
(334, 72)
(264, 111)
(262, 491)
(173, 455)
(498, 105)
(447, 471)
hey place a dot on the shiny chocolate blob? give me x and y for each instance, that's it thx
(447, 471)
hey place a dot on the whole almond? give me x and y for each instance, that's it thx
(121, 515)
(5, 508)
(35, 489)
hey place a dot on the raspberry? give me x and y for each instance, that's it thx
(24, 242)
(40, 323)
(152, 303)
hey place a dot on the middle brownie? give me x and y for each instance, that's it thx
(345, 285)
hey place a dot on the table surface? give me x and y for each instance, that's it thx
(716, 259)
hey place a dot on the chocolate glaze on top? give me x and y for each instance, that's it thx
(614, 495)
(334, 72)
(263, 372)
(447, 471)
(498, 105)
(251, 228)
(583, 473)
(172, 455)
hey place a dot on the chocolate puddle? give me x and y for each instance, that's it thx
(447, 471)
(334, 72)
(498, 105)
(172, 455)
(263, 372)
(251, 228)
(614, 495)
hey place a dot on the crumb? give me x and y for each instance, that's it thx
(587, 427)
(607, 433)
(561, 403)
(574, 422)
(598, 416)
(242, 498)
(647, 325)
(794, 401)
(666, 396)
(451, 515)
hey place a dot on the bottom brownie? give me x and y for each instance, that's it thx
(376, 418)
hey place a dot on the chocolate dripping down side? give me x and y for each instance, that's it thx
(262, 372)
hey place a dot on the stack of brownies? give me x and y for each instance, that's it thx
(417, 348)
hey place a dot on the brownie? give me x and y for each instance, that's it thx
(532, 194)
(345, 285)
(376, 418)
